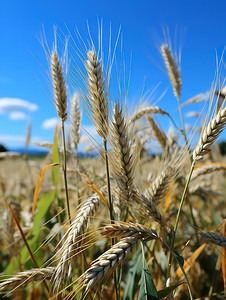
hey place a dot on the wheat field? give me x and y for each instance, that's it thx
(124, 223)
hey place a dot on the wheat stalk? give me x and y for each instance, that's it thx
(209, 135)
(60, 99)
(37, 274)
(72, 241)
(98, 105)
(213, 238)
(105, 264)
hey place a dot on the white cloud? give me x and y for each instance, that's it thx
(192, 114)
(4, 138)
(89, 135)
(8, 105)
(18, 115)
(50, 123)
(84, 139)
(89, 131)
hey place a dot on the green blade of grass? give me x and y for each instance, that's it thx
(147, 289)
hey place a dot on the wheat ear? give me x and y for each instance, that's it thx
(75, 133)
(150, 110)
(213, 238)
(175, 78)
(60, 99)
(159, 134)
(148, 207)
(196, 99)
(160, 186)
(105, 264)
(209, 135)
(26, 277)
(75, 117)
(59, 87)
(203, 170)
(72, 241)
(123, 230)
(98, 103)
(28, 135)
(123, 159)
(147, 110)
(172, 69)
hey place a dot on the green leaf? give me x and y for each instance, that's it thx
(12, 266)
(133, 277)
(42, 207)
(165, 292)
(55, 159)
(147, 289)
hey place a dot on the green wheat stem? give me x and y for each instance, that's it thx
(177, 219)
(181, 267)
(77, 175)
(65, 174)
(108, 181)
(110, 208)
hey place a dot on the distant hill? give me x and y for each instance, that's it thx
(3, 148)
(35, 152)
(43, 152)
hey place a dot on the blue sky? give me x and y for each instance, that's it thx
(197, 26)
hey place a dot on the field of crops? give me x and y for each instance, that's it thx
(122, 224)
